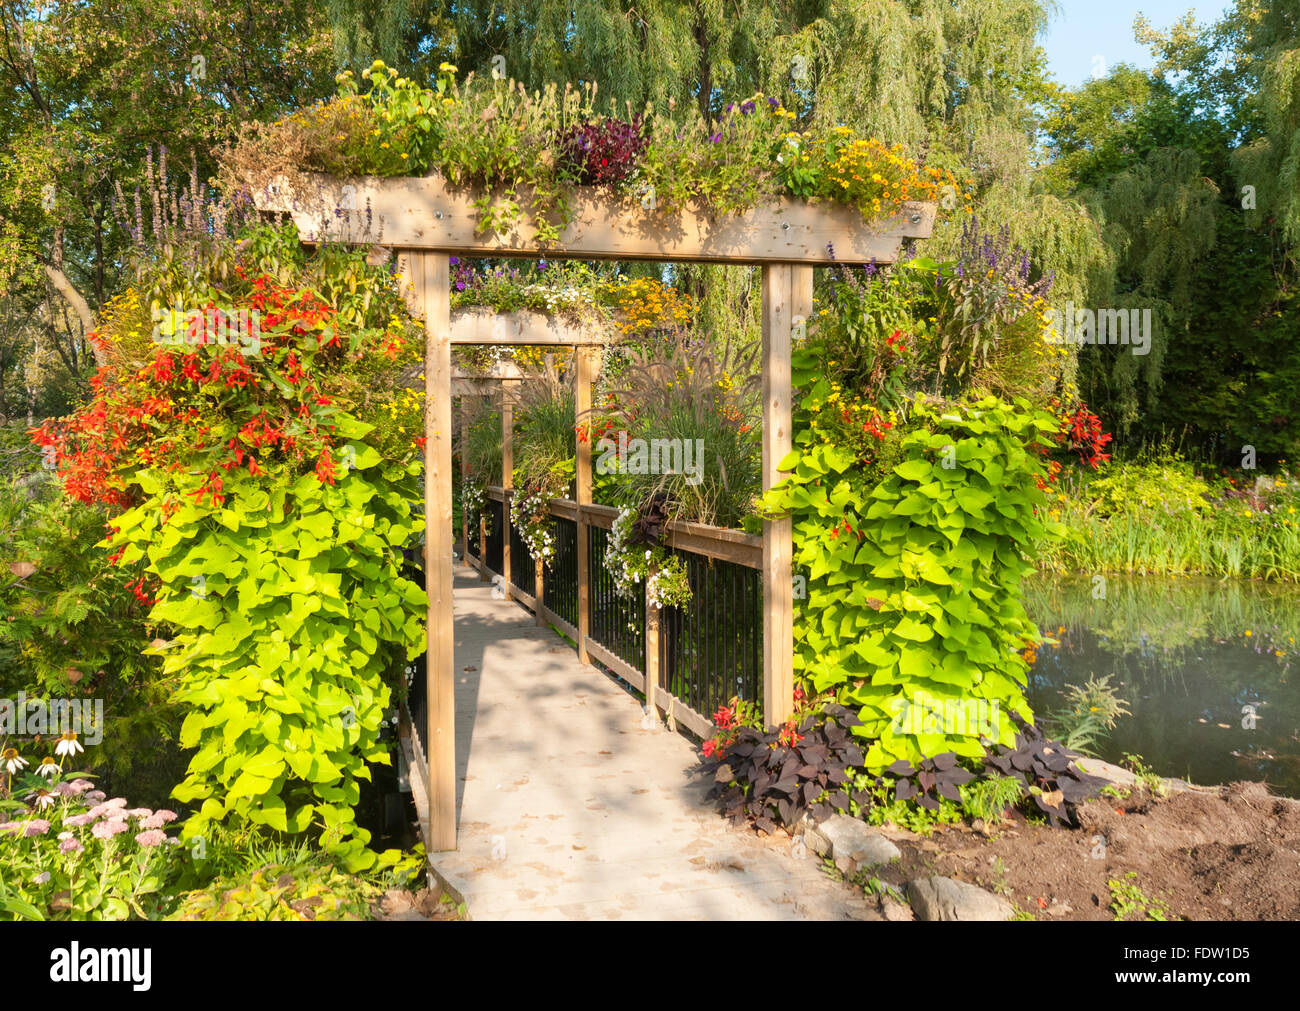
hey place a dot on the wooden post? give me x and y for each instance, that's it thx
(483, 576)
(539, 591)
(778, 549)
(507, 477)
(651, 657)
(430, 278)
(586, 367)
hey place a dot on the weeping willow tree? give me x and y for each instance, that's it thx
(1159, 221)
(1191, 172)
(955, 83)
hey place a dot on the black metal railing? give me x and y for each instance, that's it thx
(496, 535)
(560, 587)
(522, 572)
(472, 534)
(617, 623)
(711, 650)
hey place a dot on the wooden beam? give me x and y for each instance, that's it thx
(507, 477)
(779, 306)
(498, 371)
(429, 275)
(583, 378)
(481, 325)
(425, 213)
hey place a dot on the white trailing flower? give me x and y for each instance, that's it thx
(473, 496)
(664, 575)
(530, 513)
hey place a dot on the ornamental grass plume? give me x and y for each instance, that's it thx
(682, 390)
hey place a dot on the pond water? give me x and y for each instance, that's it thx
(1189, 657)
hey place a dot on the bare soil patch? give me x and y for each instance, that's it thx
(1226, 853)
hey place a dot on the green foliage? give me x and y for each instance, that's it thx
(1127, 899)
(914, 581)
(1091, 712)
(288, 606)
(72, 630)
(545, 443)
(1166, 518)
(1170, 485)
(989, 798)
(294, 883)
(1145, 775)
(694, 400)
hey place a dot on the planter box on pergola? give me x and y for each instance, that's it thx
(428, 221)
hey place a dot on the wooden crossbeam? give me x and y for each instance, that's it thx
(427, 213)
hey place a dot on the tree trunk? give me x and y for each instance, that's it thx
(79, 305)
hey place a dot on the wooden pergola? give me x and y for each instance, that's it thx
(427, 222)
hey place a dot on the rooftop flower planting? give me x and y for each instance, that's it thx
(527, 151)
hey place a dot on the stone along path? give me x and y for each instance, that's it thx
(569, 809)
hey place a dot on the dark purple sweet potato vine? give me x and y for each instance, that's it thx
(605, 152)
(762, 780)
(1047, 765)
(759, 779)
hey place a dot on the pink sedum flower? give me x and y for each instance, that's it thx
(79, 820)
(36, 826)
(108, 829)
(151, 837)
(70, 846)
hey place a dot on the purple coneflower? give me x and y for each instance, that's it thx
(68, 745)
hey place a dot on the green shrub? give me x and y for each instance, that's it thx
(1170, 486)
(913, 583)
(72, 629)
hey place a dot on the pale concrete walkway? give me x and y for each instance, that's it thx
(568, 809)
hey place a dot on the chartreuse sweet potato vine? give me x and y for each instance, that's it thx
(913, 567)
(258, 454)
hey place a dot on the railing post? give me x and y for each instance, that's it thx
(651, 657)
(539, 591)
(483, 576)
(586, 369)
(787, 293)
(507, 477)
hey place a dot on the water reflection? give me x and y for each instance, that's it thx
(1206, 668)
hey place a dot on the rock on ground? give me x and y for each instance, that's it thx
(937, 898)
(851, 843)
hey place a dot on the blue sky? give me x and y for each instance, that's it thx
(1089, 33)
